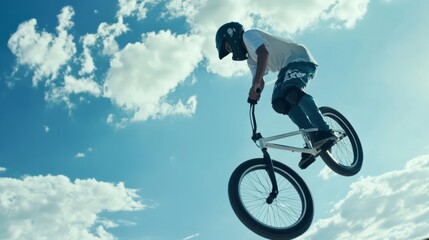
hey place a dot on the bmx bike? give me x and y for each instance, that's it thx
(269, 197)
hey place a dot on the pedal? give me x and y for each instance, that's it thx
(303, 164)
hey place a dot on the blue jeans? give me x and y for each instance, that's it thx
(305, 113)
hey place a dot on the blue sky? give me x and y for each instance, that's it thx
(117, 121)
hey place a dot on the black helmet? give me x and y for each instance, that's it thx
(233, 34)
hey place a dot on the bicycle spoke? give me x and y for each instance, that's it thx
(342, 151)
(286, 208)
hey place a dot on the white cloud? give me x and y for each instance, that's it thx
(394, 205)
(46, 128)
(187, 8)
(83, 154)
(79, 155)
(9, 83)
(133, 8)
(84, 85)
(88, 66)
(2, 169)
(326, 173)
(143, 74)
(271, 14)
(53, 207)
(72, 86)
(49, 56)
(43, 52)
(108, 34)
(121, 123)
(347, 12)
(191, 236)
(205, 17)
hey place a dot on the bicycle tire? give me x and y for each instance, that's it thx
(291, 188)
(335, 157)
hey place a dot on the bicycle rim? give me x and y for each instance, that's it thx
(345, 157)
(287, 210)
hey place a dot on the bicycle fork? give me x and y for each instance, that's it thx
(270, 168)
(257, 137)
(271, 174)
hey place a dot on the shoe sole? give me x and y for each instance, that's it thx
(303, 164)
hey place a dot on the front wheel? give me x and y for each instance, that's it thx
(288, 216)
(346, 156)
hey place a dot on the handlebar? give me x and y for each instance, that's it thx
(255, 134)
(252, 102)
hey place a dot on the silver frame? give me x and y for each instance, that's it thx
(267, 141)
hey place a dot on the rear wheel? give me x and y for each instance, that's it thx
(346, 156)
(288, 216)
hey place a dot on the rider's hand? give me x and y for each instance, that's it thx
(255, 92)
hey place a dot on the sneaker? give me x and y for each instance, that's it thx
(319, 138)
(306, 160)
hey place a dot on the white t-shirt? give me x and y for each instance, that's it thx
(281, 51)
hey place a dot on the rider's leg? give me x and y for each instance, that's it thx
(313, 113)
(299, 118)
(324, 134)
(289, 98)
(305, 112)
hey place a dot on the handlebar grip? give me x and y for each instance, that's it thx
(254, 102)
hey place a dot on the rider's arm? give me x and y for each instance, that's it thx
(261, 67)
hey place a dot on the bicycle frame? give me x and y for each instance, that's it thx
(265, 143)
